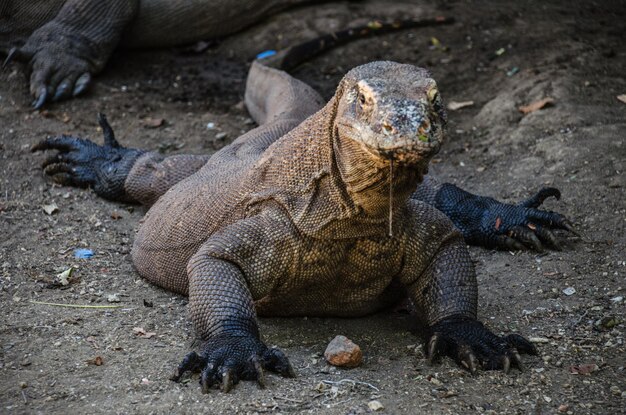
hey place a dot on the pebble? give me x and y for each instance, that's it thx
(375, 405)
(341, 351)
(113, 298)
(220, 136)
(569, 291)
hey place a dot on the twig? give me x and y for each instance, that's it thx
(284, 398)
(75, 305)
(573, 326)
(354, 382)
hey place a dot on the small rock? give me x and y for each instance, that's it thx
(113, 298)
(617, 299)
(563, 407)
(454, 105)
(221, 136)
(153, 122)
(50, 209)
(615, 390)
(341, 351)
(375, 405)
(23, 385)
(569, 291)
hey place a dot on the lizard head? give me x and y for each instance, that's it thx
(393, 111)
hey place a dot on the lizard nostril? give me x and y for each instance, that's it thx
(424, 128)
(387, 128)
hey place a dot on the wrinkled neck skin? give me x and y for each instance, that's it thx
(367, 177)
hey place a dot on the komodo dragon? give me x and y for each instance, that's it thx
(315, 212)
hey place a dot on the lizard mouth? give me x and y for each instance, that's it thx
(415, 148)
(413, 152)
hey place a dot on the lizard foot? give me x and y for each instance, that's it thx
(488, 222)
(472, 345)
(61, 65)
(226, 359)
(82, 163)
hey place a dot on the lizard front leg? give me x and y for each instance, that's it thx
(231, 269)
(445, 295)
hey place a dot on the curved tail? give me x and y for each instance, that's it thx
(293, 56)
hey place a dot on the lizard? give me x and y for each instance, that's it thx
(324, 209)
(67, 42)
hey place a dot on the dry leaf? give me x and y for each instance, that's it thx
(537, 105)
(139, 331)
(153, 122)
(64, 277)
(622, 98)
(98, 361)
(455, 105)
(584, 369)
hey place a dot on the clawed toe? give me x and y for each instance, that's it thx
(474, 346)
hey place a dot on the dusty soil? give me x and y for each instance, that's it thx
(573, 53)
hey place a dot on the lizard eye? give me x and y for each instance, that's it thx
(362, 99)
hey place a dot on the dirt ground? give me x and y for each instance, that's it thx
(500, 55)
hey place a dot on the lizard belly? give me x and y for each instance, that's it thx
(338, 278)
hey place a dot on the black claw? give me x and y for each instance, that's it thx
(506, 242)
(107, 131)
(547, 237)
(516, 360)
(433, 345)
(467, 359)
(13, 53)
(568, 226)
(55, 168)
(208, 377)
(526, 236)
(62, 91)
(506, 364)
(57, 158)
(81, 84)
(191, 363)
(259, 372)
(41, 98)
(227, 380)
(521, 344)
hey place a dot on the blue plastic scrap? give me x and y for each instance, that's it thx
(83, 253)
(266, 54)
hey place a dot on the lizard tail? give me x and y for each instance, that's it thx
(293, 56)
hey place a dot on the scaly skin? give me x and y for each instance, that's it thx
(314, 213)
